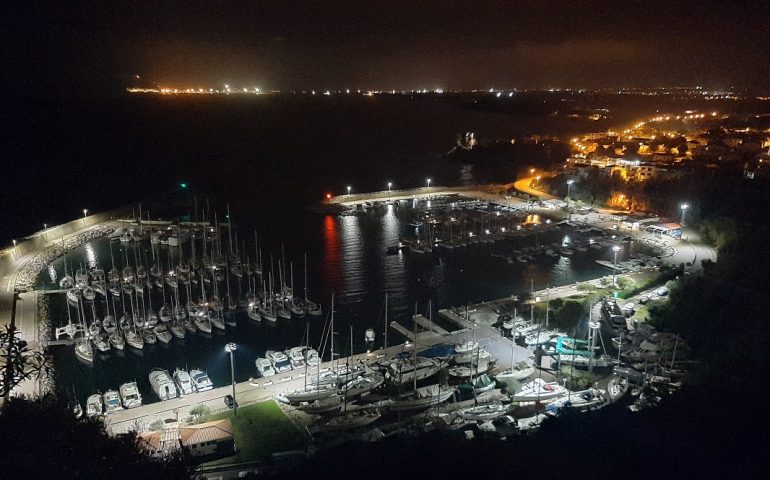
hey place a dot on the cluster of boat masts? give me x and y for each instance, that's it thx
(139, 324)
(164, 385)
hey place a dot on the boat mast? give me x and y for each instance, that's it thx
(386, 320)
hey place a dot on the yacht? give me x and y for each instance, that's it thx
(363, 384)
(202, 323)
(518, 371)
(404, 371)
(112, 401)
(177, 329)
(279, 360)
(102, 342)
(184, 381)
(117, 341)
(422, 398)
(201, 380)
(354, 419)
(470, 369)
(483, 412)
(162, 384)
(468, 346)
(264, 367)
(84, 351)
(310, 393)
(162, 333)
(94, 405)
(149, 337)
(296, 357)
(538, 390)
(134, 339)
(130, 395)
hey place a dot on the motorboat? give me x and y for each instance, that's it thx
(162, 333)
(424, 397)
(162, 385)
(280, 361)
(129, 394)
(296, 357)
(264, 367)
(201, 380)
(582, 361)
(94, 405)
(354, 419)
(405, 370)
(538, 390)
(483, 413)
(183, 381)
(111, 401)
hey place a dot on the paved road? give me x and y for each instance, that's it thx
(523, 185)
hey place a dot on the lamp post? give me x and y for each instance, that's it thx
(85, 213)
(45, 232)
(14, 249)
(569, 185)
(428, 182)
(538, 180)
(230, 348)
(615, 250)
(684, 208)
(390, 184)
(348, 189)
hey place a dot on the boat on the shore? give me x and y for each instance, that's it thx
(405, 370)
(363, 384)
(483, 413)
(538, 390)
(424, 397)
(518, 371)
(354, 419)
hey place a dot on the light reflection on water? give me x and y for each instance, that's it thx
(91, 256)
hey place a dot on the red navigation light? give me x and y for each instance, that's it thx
(328, 196)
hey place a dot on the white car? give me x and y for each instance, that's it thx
(662, 291)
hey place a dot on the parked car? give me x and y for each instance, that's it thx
(230, 401)
(662, 291)
(643, 299)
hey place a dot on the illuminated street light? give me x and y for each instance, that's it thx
(428, 180)
(348, 189)
(615, 249)
(45, 232)
(85, 213)
(230, 348)
(14, 249)
(569, 185)
(531, 171)
(538, 181)
(684, 208)
(390, 184)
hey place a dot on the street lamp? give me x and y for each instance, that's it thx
(531, 171)
(14, 249)
(684, 208)
(230, 348)
(45, 232)
(348, 189)
(428, 180)
(615, 249)
(390, 184)
(538, 181)
(85, 213)
(569, 185)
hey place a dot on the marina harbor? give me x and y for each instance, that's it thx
(467, 365)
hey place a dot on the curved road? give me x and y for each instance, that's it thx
(523, 185)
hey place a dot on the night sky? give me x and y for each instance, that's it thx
(382, 45)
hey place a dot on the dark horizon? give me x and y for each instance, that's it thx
(447, 45)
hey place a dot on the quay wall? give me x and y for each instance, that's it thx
(357, 198)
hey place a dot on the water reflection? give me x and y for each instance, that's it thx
(331, 264)
(91, 256)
